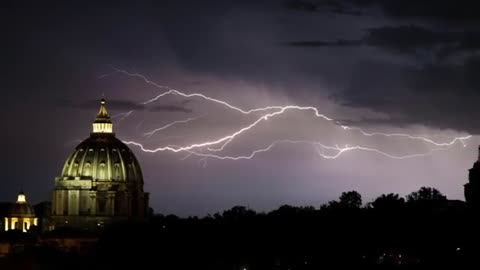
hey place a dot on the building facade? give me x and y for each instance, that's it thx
(101, 181)
(472, 188)
(21, 215)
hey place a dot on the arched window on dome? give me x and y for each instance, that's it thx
(75, 169)
(117, 171)
(87, 171)
(131, 172)
(101, 171)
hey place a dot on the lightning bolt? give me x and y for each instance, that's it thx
(150, 133)
(122, 116)
(179, 93)
(267, 114)
(319, 149)
(205, 144)
(227, 139)
(172, 137)
(460, 139)
(137, 127)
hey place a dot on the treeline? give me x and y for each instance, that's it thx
(421, 229)
(424, 228)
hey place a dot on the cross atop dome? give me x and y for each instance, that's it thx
(102, 116)
(103, 123)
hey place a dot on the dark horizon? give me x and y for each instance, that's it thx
(425, 229)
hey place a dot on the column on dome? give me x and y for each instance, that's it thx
(101, 203)
(84, 202)
(110, 207)
(73, 202)
(60, 202)
(120, 203)
(109, 168)
(93, 203)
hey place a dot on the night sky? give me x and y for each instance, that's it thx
(384, 66)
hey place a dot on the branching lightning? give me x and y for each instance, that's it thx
(227, 138)
(179, 93)
(122, 116)
(320, 149)
(150, 133)
(211, 149)
(454, 140)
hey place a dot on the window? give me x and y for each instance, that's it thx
(87, 169)
(117, 171)
(75, 169)
(101, 173)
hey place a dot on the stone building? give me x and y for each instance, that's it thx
(101, 181)
(21, 215)
(472, 188)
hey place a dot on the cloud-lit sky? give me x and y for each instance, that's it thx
(385, 66)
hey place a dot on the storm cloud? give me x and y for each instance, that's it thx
(126, 105)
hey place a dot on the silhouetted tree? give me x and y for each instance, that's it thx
(238, 212)
(347, 200)
(350, 199)
(426, 194)
(388, 202)
(288, 211)
(331, 205)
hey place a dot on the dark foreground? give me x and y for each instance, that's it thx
(389, 232)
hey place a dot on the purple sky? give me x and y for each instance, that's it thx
(384, 66)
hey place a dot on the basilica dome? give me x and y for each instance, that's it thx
(101, 181)
(21, 215)
(21, 208)
(102, 156)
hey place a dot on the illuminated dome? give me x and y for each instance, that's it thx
(101, 180)
(21, 215)
(21, 208)
(102, 157)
